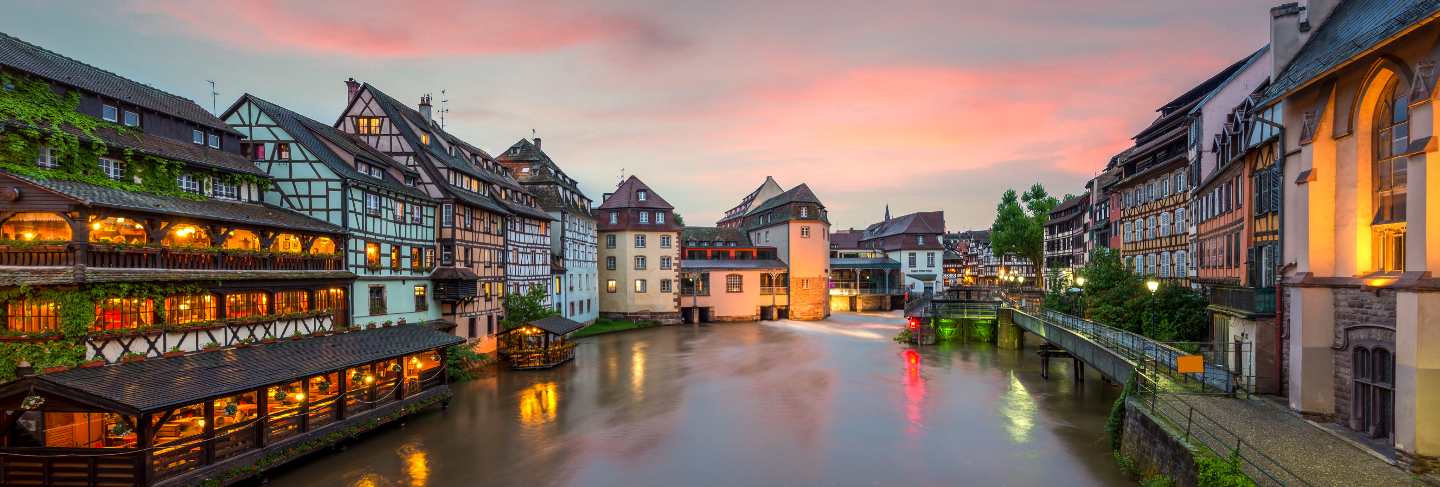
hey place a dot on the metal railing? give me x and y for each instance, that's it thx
(1248, 299)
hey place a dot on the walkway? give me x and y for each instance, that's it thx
(1306, 451)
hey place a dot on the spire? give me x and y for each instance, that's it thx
(887, 212)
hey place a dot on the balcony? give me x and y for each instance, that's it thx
(773, 290)
(153, 257)
(1253, 301)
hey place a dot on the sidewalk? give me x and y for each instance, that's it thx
(1316, 456)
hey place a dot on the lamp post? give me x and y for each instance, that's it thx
(1080, 283)
(1152, 285)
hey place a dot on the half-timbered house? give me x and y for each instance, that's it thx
(332, 176)
(572, 234)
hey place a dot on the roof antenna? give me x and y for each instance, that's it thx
(444, 107)
(622, 175)
(214, 96)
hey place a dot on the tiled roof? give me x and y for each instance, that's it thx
(743, 208)
(524, 210)
(400, 113)
(918, 222)
(1353, 28)
(704, 264)
(45, 63)
(141, 142)
(624, 197)
(556, 324)
(1177, 109)
(982, 235)
(309, 133)
(162, 383)
(209, 209)
(798, 194)
(846, 239)
(714, 234)
(864, 262)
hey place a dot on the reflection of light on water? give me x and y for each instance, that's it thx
(914, 392)
(417, 464)
(1019, 410)
(538, 404)
(367, 480)
(637, 369)
(830, 329)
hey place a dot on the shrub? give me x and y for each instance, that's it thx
(1220, 472)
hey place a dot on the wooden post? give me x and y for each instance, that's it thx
(208, 447)
(143, 441)
(343, 376)
(262, 424)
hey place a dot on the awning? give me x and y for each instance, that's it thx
(164, 383)
(454, 274)
(921, 277)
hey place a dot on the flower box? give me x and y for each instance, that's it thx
(93, 363)
(173, 354)
(132, 358)
(55, 369)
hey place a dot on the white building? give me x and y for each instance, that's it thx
(575, 291)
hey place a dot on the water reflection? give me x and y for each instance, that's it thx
(748, 404)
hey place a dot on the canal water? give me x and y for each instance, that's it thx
(773, 403)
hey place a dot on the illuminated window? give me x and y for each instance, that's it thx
(1390, 178)
(368, 125)
(32, 315)
(112, 168)
(286, 243)
(422, 300)
(122, 313)
(247, 304)
(186, 235)
(416, 262)
(372, 255)
(180, 424)
(734, 283)
(640, 285)
(394, 257)
(242, 240)
(189, 308)
(331, 299)
(292, 301)
(35, 227)
(282, 151)
(235, 410)
(609, 288)
(323, 246)
(424, 138)
(87, 430)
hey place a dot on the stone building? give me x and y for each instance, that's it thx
(572, 235)
(796, 224)
(1356, 85)
(639, 255)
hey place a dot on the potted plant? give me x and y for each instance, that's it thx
(389, 323)
(370, 326)
(175, 351)
(132, 357)
(94, 362)
(296, 335)
(211, 346)
(245, 343)
(268, 339)
(55, 368)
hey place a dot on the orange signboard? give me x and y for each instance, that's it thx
(1190, 364)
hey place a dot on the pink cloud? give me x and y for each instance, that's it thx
(432, 28)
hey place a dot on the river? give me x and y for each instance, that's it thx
(772, 403)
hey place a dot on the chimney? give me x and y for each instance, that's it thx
(1290, 27)
(425, 107)
(351, 87)
(536, 140)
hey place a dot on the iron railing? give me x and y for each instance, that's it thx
(1260, 301)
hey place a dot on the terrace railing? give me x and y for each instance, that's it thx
(145, 257)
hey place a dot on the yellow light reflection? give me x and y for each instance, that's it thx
(1018, 408)
(637, 370)
(417, 464)
(539, 404)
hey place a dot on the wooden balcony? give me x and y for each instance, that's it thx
(146, 257)
(155, 342)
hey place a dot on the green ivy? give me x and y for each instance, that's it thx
(1115, 423)
(1214, 471)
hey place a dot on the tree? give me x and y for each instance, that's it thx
(524, 308)
(1115, 296)
(1019, 227)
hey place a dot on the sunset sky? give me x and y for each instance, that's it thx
(923, 105)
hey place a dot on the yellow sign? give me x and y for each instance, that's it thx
(1190, 364)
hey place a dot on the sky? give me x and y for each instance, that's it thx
(921, 105)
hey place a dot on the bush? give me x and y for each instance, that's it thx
(1115, 424)
(1220, 472)
(458, 361)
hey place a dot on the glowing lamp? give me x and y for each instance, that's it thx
(95, 226)
(27, 235)
(1152, 285)
(369, 379)
(1080, 281)
(200, 422)
(914, 322)
(299, 396)
(120, 220)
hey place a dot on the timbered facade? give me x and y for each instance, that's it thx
(572, 234)
(332, 176)
(170, 250)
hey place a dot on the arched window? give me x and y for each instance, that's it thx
(322, 246)
(117, 230)
(35, 227)
(1391, 139)
(186, 236)
(287, 243)
(242, 240)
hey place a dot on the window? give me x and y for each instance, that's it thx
(805, 231)
(919, 240)
(189, 184)
(45, 157)
(639, 285)
(422, 301)
(372, 255)
(132, 119)
(282, 151)
(1165, 264)
(659, 218)
(666, 286)
(189, 308)
(424, 138)
(112, 168)
(31, 315)
(377, 300)
(665, 262)
(197, 137)
(394, 257)
(447, 215)
(469, 221)
(614, 217)
(610, 285)
(734, 283)
(214, 141)
(610, 241)
(929, 259)
(804, 212)
(910, 259)
(399, 209)
(372, 204)
(664, 239)
(610, 263)
(644, 217)
(1390, 179)
(416, 262)
(292, 301)
(225, 190)
(109, 113)
(122, 313)
(640, 195)
(246, 304)
(417, 214)
(640, 241)
(367, 125)
(639, 262)
(1165, 224)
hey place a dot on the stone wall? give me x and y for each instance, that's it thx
(809, 304)
(1154, 449)
(1365, 319)
(664, 318)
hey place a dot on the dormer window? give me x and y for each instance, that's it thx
(919, 240)
(282, 151)
(110, 113)
(132, 119)
(613, 218)
(659, 218)
(804, 212)
(189, 184)
(224, 190)
(197, 137)
(46, 158)
(214, 141)
(640, 195)
(367, 125)
(424, 138)
(644, 217)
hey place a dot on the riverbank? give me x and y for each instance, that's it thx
(603, 326)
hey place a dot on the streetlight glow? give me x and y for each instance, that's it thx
(1080, 281)
(1152, 285)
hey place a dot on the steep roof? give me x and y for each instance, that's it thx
(1352, 28)
(846, 239)
(731, 264)
(146, 143)
(1177, 109)
(33, 59)
(918, 222)
(740, 210)
(543, 178)
(625, 196)
(798, 194)
(310, 133)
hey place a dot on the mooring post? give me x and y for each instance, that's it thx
(1079, 368)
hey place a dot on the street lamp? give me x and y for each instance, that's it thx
(1080, 281)
(1152, 285)
(1080, 285)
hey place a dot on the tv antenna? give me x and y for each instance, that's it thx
(214, 96)
(444, 107)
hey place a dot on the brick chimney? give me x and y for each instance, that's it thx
(536, 141)
(351, 87)
(425, 107)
